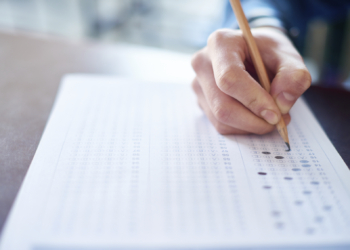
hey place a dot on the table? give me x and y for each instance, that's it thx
(31, 67)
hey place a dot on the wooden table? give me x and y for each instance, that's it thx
(30, 71)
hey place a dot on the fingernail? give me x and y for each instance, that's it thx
(270, 116)
(288, 96)
(285, 101)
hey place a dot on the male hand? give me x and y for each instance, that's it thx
(227, 87)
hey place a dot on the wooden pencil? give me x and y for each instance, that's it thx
(257, 61)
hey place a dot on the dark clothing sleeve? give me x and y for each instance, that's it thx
(291, 15)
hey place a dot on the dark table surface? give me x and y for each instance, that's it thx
(30, 72)
(332, 109)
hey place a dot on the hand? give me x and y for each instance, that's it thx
(227, 87)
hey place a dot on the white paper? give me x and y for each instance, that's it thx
(127, 165)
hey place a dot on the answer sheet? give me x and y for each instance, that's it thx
(130, 165)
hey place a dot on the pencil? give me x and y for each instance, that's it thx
(257, 61)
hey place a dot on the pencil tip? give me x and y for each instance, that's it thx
(288, 146)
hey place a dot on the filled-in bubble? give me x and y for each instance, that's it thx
(298, 202)
(327, 207)
(318, 219)
(276, 213)
(306, 165)
(279, 225)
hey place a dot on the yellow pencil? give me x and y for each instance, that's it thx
(257, 61)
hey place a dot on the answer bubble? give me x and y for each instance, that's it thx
(288, 178)
(298, 203)
(296, 169)
(318, 219)
(267, 187)
(279, 225)
(304, 161)
(276, 213)
(262, 173)
(266, 153)
(279, 157)
(306, 165)
(307, 192)
(314, 182)
(327, 207)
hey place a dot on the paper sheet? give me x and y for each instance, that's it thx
(127, 165)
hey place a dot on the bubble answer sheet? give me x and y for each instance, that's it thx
(130, 165)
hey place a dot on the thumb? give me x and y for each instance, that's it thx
(290, 82)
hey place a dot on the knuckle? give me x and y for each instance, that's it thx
(200, 62)
(221, 113)
(226, 80)
(221, 36)
(217, 36)
(197, 60)
(195, 86)
(301, 80)
(253, 103)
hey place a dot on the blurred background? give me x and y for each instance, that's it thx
(179, 25)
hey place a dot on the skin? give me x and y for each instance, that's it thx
(227, 87)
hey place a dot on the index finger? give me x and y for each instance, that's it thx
(228, 51)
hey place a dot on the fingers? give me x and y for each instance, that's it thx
(291, 77)
(220, 127)
(290, 83)
(233, 101)
(224, 108)
(227, 52)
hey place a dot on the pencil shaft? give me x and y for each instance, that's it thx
(256, 58)
(252, 47)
